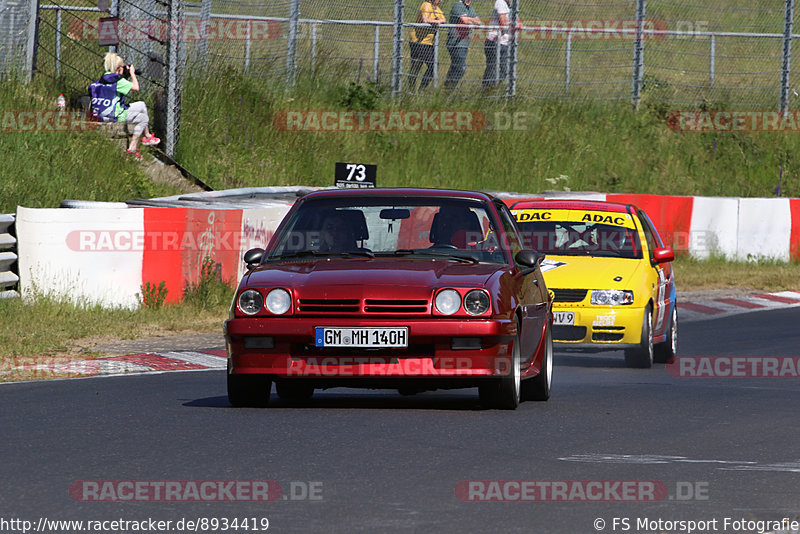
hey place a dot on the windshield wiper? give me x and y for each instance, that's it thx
(435, 254)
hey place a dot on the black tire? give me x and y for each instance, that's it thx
(664, 352)
(538, 387)
(641, 357)
(248, 390)
(505, 393)
(293, 391)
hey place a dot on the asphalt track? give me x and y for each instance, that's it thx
(381, 462)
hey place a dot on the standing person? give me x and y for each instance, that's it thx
(108, 101)
(497, 41)
(421, 42)
(458, 40)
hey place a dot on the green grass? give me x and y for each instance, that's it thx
(599, 146)
(40, 169)
(228, 140)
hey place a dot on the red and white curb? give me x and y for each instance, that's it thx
(701, 309)
(40, 367)
(160, 362)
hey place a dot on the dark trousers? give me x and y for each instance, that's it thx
(458, 65)
(421, 54)
(490, 75)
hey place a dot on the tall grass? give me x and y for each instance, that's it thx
(228, 138)
(40, 169)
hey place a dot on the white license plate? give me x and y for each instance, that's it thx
(361, 337)
(563, 318)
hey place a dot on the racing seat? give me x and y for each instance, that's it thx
(455, 226)
(344, 231)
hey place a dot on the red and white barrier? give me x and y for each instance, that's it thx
(736, 228)
(105, 256)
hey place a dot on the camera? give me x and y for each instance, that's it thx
(126, 72)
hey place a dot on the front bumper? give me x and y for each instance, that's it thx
(481, 348)
(599, 327)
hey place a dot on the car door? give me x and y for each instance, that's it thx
(532, 293)
(663, 296)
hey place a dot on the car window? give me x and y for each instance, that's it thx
(509, 225)
(575, 238)
(393, 226)
(650, 234)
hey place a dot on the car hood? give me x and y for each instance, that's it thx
(320, 276)
(587, 272)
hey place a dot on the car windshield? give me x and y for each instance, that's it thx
(430, 227)
(581, 239)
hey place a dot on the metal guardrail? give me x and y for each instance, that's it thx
(8, 258)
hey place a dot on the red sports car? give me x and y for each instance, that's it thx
(407, 289)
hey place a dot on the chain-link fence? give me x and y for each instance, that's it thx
(72, 40)
(14, 20)
(681, 52)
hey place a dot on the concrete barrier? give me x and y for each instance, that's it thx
(105, 255)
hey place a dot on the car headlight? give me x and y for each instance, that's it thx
(278, 301)
(251, 301)
(476, 302)
(448, 301)
(611, 297)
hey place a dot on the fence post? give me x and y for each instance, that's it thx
(247, 48)
(568, 66)
(436, 60)
(638, 54)
(787, 55)
(58, 42)
(114, 13)
(291, 55)
(397, 53)
(313, 47)
(33, 35)
(174, 75)
(511, 88)
(712, 60)
(205, 16)
(376, 53)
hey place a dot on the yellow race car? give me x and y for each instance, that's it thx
(611, 275)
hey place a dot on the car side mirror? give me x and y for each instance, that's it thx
(529, 258)
(663, 255)
(253, 257)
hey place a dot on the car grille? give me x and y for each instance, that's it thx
(370, 306)
(570, 295)
(569, 333)
(330, 305)
(607, 336)
(395, 306)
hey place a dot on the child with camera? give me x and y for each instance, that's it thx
(108, 101)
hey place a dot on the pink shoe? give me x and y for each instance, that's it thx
(135, 154)
(151, 140)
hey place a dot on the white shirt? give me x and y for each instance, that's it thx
(500, 8)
